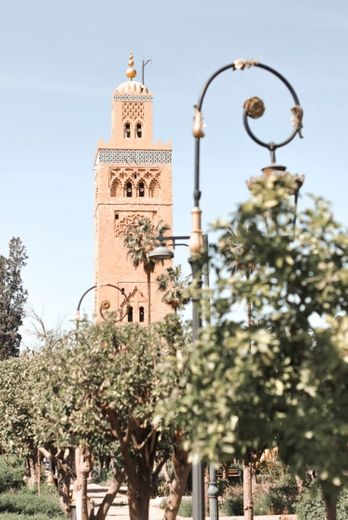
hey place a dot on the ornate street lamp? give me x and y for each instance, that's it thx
(105, 305)
(162, 252)
(253, 109)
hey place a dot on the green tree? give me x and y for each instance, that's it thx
(12, 298)
(174, 286)
(141, 238)
(17, 422)
(284, 378)
(99, 389)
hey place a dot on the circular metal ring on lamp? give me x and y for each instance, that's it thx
(295, 109)
(198, 121)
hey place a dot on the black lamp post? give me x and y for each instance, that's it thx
(162, 252)
(253, 108)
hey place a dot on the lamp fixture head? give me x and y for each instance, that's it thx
(161, 253)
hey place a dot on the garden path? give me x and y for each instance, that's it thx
(119, 509)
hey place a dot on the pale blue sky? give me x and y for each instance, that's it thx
(60, 61)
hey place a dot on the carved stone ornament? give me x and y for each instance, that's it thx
(129, 220)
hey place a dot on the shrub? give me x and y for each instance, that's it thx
(11, 473)
(269, 472)
(15, 516)
(29, 504)
(232, 500)
(262, 504)
(102, 475)
(283, 496)
(185, 508)
(311, 504)
(342, 506)
(233, 506)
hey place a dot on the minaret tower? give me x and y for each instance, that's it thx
(133, 179)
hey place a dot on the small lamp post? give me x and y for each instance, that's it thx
(105, 304)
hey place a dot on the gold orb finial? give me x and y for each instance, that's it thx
(131, 72)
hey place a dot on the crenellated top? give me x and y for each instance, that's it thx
(132, 88)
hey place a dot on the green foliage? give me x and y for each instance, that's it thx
(11, 473)
(185, 508)
(141, 238)
(174, 286)
(270, 471)
(96, 387)
(310, 505)
(39, 516)
(282, 497)
(30, 504)
(17, 418)
(162, 487)
(12, 298)
(281, 376)
(232, 501)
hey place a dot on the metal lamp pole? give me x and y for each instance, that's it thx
(253, 108)
(162, 252)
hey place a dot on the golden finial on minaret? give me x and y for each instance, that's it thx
(131, 72)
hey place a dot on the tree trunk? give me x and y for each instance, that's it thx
(177, 487)
(139, 493)
(83, 465)
(63, 482)
(166, 475)
(38, 471)
(331, 506)
(31, 472)
(248, 491)
(111, 493)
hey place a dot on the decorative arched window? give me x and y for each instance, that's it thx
(115, 188)
(141, 314)
(141, 189)
(127, 130)
(153, 188)
(130, 314)
(129, 189)
(138, 131)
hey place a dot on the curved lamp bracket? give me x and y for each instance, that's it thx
(253, 107)
(105, 304)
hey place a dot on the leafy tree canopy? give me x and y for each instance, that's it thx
(12, 298)
(282, 378)
(17, 418)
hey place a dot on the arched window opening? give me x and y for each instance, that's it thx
(127, 131)
(139, 131)
(129, 189)
(141, 189)
(130, 314)
(115, 189)
(153, 189)
(141, 314)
